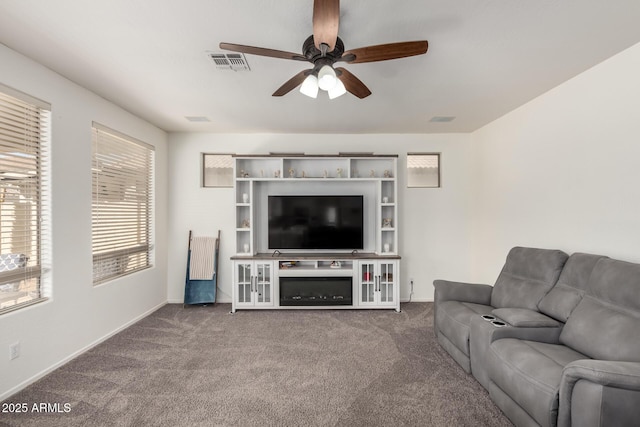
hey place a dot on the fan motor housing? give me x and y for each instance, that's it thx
(313, 54)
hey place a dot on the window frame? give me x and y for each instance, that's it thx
(122, 204)
(25, 144)
(438, 184)
(207, 184)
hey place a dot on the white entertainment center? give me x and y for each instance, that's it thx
(266, 278)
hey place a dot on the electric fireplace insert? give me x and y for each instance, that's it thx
(310, 291)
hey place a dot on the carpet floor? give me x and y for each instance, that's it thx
(201, 366)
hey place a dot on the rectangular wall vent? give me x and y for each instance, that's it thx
(229, 61)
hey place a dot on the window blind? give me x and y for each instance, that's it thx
(122, 174)
(24, 144)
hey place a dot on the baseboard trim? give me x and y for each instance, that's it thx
(181, 301)
(55, 366)
(416, 300)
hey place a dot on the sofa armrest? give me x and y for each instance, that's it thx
(464, 292)
(617, 383)
(547, 335)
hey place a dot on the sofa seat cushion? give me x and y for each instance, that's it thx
(529, 372)
(454, 319)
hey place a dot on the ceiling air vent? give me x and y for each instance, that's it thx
(229, 61)
(442, 119)
(196, 119)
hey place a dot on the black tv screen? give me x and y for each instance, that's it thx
(316, 222)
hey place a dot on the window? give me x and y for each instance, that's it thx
(122, 204)
(217, 170)
(423, 170)
(24, 192)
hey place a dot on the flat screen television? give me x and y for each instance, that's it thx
(316, 222)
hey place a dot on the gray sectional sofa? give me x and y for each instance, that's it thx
(556, 340)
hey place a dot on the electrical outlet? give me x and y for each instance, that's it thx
(14, 350)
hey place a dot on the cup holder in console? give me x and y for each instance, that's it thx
(488, 317)
(498, 323)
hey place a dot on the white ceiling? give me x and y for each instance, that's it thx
(485, 58)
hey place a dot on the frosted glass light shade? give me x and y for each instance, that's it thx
(337, 90)
(309, 86)
(326, 78)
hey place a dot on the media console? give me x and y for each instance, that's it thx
(306, 276)
(312, 281)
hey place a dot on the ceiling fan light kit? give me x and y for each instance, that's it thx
(323, 49)
(326, 78)
(309, 86)
(337, 90)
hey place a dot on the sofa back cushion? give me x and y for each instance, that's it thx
(606, 323)
(563, 298)
(526, 277)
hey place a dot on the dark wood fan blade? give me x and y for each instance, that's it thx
(252, 50)
(326, 20)
(352, 83)
(292, 83)
(383, 52)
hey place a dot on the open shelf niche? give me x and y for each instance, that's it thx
(257, 176)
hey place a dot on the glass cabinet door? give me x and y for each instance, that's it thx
(263, 283)
(367, 283)
(243, 283)
(387, 283)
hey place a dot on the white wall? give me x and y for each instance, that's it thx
(434, 223)
(563, 171)
(559, 172)
(78, 314)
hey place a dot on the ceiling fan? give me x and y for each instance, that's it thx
(324, 48)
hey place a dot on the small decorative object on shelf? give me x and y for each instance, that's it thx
(245, 223)
(261, 173)
(372, 174)
(386, 222)
(304, 174)
(339, 173)
(292, 173)
(276, 173)
(287, 264)
(354, 173)
(336, 264)
(325, 174)
(387, 173)
(246, 248)
(385, 199)
(386, 247)
(245, 198)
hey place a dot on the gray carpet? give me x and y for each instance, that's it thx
(201, 366)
